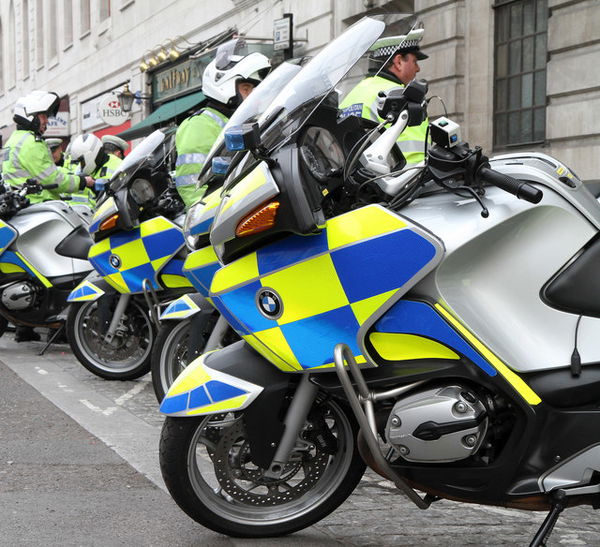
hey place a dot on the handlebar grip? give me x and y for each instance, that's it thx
(48, 186)
(522, 190)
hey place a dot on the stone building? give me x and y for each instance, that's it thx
(517, 74)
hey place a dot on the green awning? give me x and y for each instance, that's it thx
(161, 115)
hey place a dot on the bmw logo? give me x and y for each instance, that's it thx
(269, 303)
(114, 261)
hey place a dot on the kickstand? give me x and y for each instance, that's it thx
(547, 526)
(57, 332)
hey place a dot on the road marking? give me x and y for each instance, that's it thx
(107, 411)
(135, 390)
(41, 371)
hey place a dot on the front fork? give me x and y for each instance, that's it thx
(117, 317)
(295, 419)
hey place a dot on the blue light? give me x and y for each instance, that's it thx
(234, 139)
(220, 165)
(453, 138)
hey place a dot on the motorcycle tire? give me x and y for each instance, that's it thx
(125, 358)
(206, 467)
(169, 355)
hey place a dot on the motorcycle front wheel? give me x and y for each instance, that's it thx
(126, 356)
(207, 468)
(170, 353)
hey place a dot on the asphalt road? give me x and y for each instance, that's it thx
(79, 466)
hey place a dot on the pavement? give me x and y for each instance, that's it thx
(79, 467)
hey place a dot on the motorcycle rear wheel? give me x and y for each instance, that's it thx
(127, 357)
(206, 466)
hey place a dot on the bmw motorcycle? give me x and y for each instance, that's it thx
(437, 324)
(137, 255)
(192, 313)
(43, 250)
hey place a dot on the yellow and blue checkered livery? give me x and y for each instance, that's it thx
(125, 259)
(326, 285)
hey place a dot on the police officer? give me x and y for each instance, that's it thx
(226, 82)
(115, 145)
(26, 155)
(55, 146)
(88, 151)
(400, 65)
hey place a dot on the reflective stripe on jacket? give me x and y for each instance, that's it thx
(362, 101)
(193, 140)
(27, 156)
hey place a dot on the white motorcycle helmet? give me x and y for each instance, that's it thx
(87, 151)
(230, 66)
(37, 102)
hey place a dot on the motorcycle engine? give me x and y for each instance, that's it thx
(19, 296)
(443, 424)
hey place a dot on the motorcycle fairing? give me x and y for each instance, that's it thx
(105, 210)
(426, 325)
(200, 267)
(171, 276)
(205, 218)
(200, 389)
(183, 307)
(7, 235)
(125, 259)
(326, 285)
(15, 262)
(84, 292)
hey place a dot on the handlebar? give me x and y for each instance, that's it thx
(522, 190)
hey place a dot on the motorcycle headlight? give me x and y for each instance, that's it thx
(141, 191)
(191, 220)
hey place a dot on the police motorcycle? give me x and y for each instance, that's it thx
(193, 313)
(437, 324)
(43, 251)
(137, 255)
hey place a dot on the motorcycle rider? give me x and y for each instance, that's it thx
(55, 146)
(88, 151)
(115, 145)
(226, 82)
(397, 71)
(26, 155)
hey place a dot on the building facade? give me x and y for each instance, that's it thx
(517, 74)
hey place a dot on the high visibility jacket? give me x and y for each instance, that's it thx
(101, 175)
(26, 155)
(193, 140)
(362, 101)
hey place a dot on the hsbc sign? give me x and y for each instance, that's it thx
(110, 111)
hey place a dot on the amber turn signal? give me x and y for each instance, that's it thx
(258, 221)
(109, 223)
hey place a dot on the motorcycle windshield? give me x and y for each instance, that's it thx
(319, 78)
(294, 104)
(251, 108)
(139, 155)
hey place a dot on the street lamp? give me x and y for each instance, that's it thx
(126, 98)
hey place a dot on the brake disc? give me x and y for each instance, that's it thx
(244, 482)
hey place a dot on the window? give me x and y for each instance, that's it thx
(52, 33)
(39, 33)
(12, 44)
(520, 72)
(25, 34)
(68, 21)
(86, 22)
(104, 10)
(1, 60)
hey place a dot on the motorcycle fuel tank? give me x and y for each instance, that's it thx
(41, 228)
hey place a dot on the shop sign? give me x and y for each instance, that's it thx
(59, 125)
(178, 79)
(110, 111)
